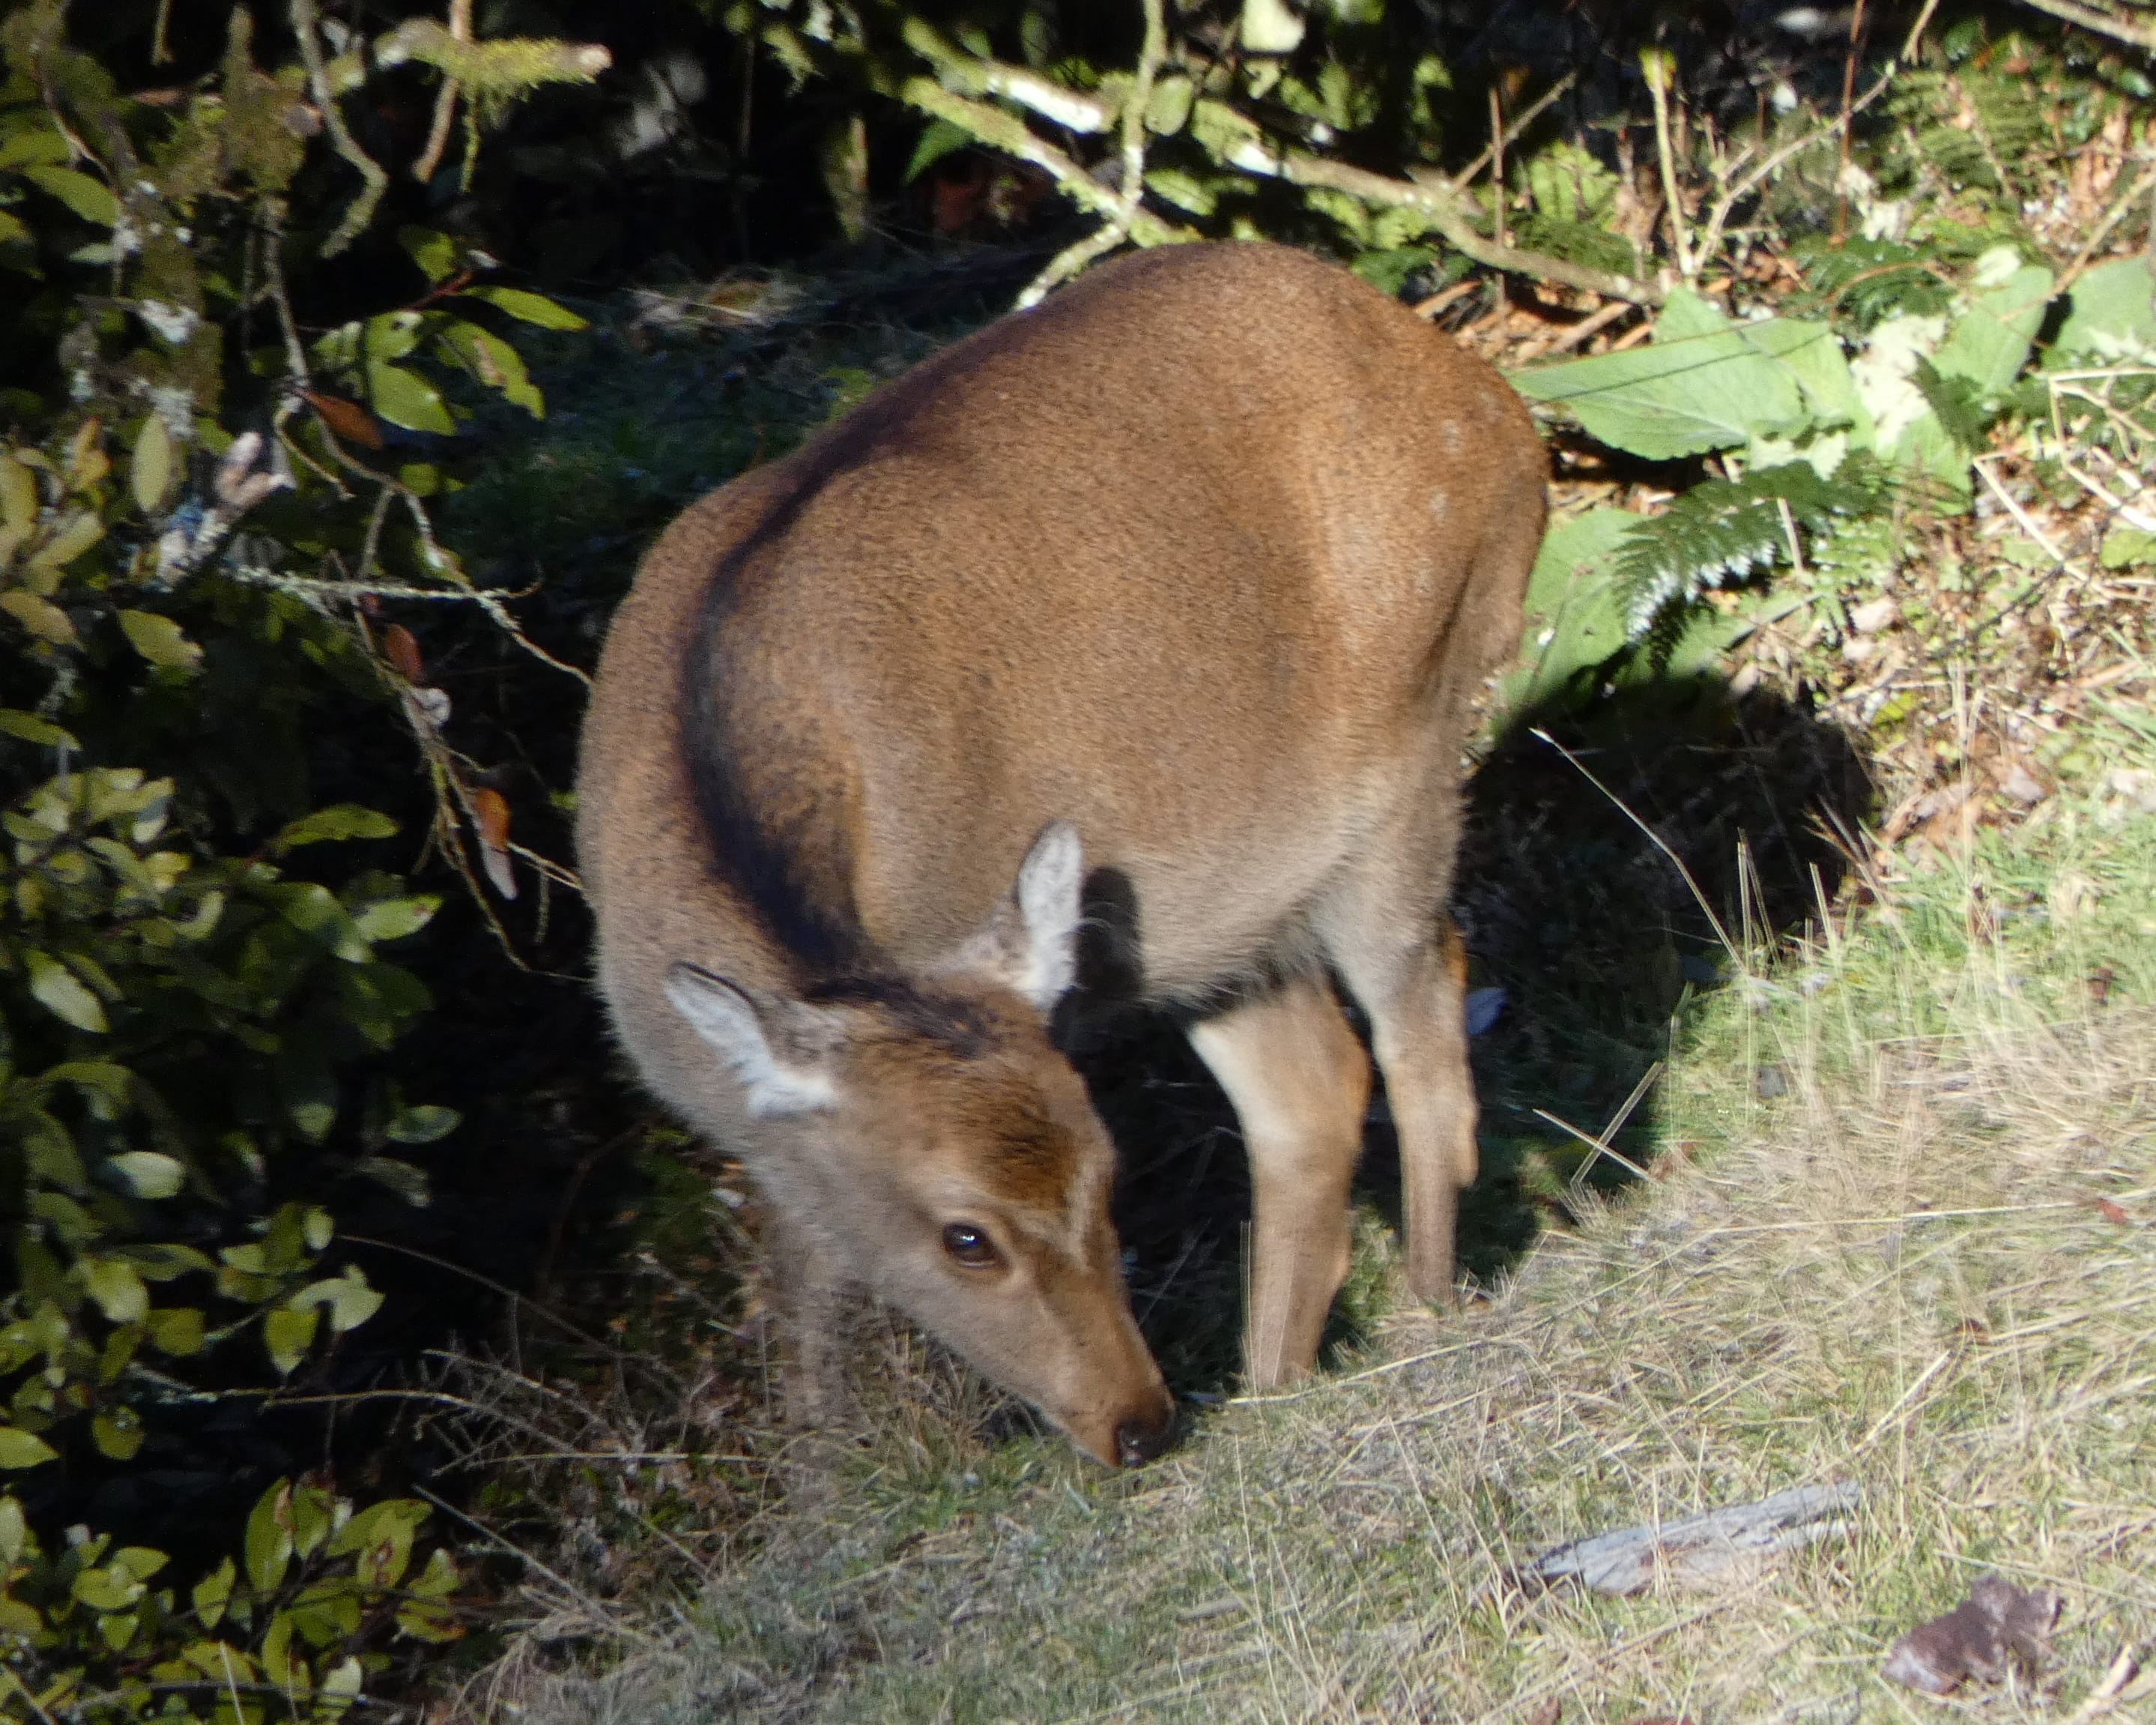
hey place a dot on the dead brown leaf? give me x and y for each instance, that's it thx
(1996, 1628)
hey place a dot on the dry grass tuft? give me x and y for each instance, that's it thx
(1901, 1231)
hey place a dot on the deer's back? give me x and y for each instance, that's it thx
(1207, 555)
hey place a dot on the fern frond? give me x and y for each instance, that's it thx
(1723, 530)
(1874, 279)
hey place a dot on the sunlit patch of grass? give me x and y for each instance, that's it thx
(1922, 1257)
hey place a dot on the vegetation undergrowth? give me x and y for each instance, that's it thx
(1902, 1232)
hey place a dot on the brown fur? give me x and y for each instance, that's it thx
(1206, 557)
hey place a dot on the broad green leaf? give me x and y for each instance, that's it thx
(19, 1449)
(339, 821)
(105, 1084)
(288, 1332)
(1704, 384)
(1168, 108)
(118, 1433)
(381, 1537)
(408, 1182)
(1184, 191)
(175, 1330)
(393, 918)
(404, 397)
(2111, 317)
(141, 1562)
(212, 1591)
(43, 143)
(14, 1531)
(116, 1287)
(18, 496)
(346, 1298)
(149, 1173)
(149, 474)
(165, 1261)
(107, 1589)
(434, 253)
(529, 307)
(1575, 609)
(494, 363)
(159, 639)
(61, 992)
(40, 616)
(314, 909)
(1990, 342)
(422, 1124)
(31, 729)
(92, 199)
(74, 536)
(937, 140)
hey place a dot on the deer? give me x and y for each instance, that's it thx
(1126, 651)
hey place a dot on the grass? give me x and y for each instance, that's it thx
(1901, 1231)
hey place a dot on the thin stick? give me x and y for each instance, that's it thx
(1527, 117)
(1661, 844)
(1848, 93)
(445, 102)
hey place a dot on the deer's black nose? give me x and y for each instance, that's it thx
(1142, 1436)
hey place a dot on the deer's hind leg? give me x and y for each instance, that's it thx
(1404, 962)
(1300, 1083)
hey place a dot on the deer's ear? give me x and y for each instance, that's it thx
(782, 1051)
(1029, 943)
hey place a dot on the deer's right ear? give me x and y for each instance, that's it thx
(772, 1047)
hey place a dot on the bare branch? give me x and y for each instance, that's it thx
(307, 26)
(1449, 215)
(2130, 31)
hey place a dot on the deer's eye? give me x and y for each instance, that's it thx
(971, 1246)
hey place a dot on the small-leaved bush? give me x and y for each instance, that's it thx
(197, 979)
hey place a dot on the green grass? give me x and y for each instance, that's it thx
(1924, 1260)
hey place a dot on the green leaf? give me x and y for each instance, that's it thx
(288, 1332)
(422, 1124)
(408, 1182)
(346, 1298)
(381, 1536)
(40, 616)
(2111, 317)
(149, 1173)
(393, 918)
(18, 497)
(529, 307)
(74, 536)
(175, 1330)
(494, 363)
(107, 1589)
(116, 1287)
(37, 143)
(31, 729)
(213, 1590)
(1704, 384)
(1990, 342)
(404, 397)
(92, 199)
(937, 140)
(61, 993)
(19, 1449)
(434, 253)
(150, 475)
(1575, 609)
(159, 639)
(339, 821)
(14, 1531)
(118, 1433)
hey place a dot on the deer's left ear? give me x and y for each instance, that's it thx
(1029, 943)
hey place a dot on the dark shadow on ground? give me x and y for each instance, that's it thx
(1599, 944)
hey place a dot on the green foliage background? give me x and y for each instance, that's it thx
(248, 323)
